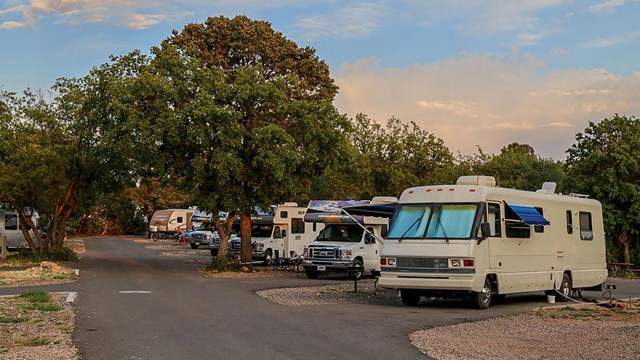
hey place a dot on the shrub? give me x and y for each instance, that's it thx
(36, 296)
(55, 255)
(228, 264)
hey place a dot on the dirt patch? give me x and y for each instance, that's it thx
(46, 274)
(343, 293)
(36, 332)
(75, 244)
(258, 273)
(569, 332)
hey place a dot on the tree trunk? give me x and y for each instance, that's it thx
(245, 237)
(106, 228)
(224, 232)
(623, 239)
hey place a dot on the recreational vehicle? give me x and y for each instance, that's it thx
(10, 227)
(282, 235)
(346, 241)
(476, 240)
(169, 223)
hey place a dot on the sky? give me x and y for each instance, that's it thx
(475, 73)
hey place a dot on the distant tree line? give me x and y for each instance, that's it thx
(230, 114)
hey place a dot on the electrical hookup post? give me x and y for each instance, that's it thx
(3, 246)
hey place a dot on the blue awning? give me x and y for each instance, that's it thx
(528, 214)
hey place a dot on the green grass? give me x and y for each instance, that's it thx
(36, 296)
(38, 341)
(42, 307)
(12, 320)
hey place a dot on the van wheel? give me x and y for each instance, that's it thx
(194, 246)
(565, 288)
(357, 274)
(267, 258)
(409, 297)
(312, 274)
(482, 299)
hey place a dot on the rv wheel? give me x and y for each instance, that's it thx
(565, 288)
(267, 257)
(312, 274)
(482, 299)
(409, 297)
(194, 246)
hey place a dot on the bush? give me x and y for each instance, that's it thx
(228, 264)
(54, 255)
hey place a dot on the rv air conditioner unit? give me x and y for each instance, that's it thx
(479, 180)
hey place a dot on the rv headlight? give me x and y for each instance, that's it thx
(346, 254)
(259, 246)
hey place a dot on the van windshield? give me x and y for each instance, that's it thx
(341, 232)
(433, 221)
(259, 230)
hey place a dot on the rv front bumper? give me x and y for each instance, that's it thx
(431, 282)
(338, 266)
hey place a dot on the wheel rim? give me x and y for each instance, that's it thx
(565, 288)
(485, 294)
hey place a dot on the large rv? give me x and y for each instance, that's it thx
(347, 241)
(10, 227)
(170, 222)
(478, 240)
(282, 235)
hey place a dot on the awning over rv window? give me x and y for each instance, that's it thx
(528, 214)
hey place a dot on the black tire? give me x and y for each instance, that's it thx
(565, 288)
(312, 274)
(482, 299)
(268, 258)
(194, 246)
(357, 275)
(409, 297)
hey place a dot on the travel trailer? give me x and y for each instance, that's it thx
(170, 223)
(346, 241)
(10, 227)
(476, 240)
(280, 236)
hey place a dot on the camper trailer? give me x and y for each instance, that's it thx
(282, 235)
(476, 240)
(170, 223)
(346, 241)
(10, 227)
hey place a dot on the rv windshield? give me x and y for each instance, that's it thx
(341, 232)
(433, 221)
(260, 230)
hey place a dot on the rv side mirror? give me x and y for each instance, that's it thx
(369, 239)
(485, 230)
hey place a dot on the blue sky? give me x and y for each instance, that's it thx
(473, 72)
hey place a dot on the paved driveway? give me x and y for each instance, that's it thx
(136, 304)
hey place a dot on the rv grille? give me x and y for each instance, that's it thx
(429, 263)
(236, 246)
(198, 236)
(324, 253)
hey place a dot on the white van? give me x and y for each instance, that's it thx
(10, 227)
(347, 241)
(478, 240)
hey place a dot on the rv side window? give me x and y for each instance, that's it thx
(494, 219)
(297, 226)
(10, 222)
(539, 228)
(179, 219)
(569, 222)
(586, 231)
(514, 226)
(284, 214)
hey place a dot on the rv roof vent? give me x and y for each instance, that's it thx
(547, 187)
(383, 199)
(479, 180)
(579, 195)
(290, 204)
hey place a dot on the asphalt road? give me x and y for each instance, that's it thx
(136, 304)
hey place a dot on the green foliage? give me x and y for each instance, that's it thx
(39, 341)
(605, 164)
(226, 263)
(12, 320)
(63, 254)
(36, 296)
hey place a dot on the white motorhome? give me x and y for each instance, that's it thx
(170, 222)
(280, 236)
(478, 240)
(347, 241)
(10, 227)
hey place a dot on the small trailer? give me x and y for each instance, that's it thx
(170, 223)
(10, 227)
(479, 241)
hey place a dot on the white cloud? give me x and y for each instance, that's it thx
(606, 7)
(487, 100)
(354, 21)
(113, 12)
(613, 41)
(11, 25)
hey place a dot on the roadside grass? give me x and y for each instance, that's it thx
(625, 311)
(36, 325)
(24, 257)
(222, 264)
(37, 275)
